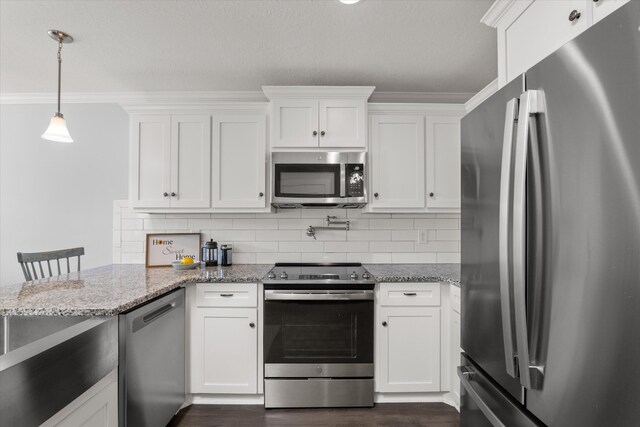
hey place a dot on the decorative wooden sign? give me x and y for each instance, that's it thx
(165, 248)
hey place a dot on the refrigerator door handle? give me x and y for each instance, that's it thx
(530, 104)
(505, 238)
(465, 377)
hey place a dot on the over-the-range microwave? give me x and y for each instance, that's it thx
(319, 180)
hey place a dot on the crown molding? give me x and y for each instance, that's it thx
(479, 97)
(501, 9)
(322, 92)
(210, 99)
(136, 98)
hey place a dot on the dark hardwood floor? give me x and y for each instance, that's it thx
(382, 415)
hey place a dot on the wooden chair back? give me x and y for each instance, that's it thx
(28, 262)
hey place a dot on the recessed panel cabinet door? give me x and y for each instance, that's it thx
(443, 162)
(238, 161)
(397, 162)
(224, 349)
(190, 161)
(602, 8)
(295, 123)
(342, 123)
(408, 349)
(150, 161)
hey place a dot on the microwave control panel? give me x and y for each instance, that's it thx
(355, 180)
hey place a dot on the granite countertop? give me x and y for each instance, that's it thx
(112, 289)
(415, 272)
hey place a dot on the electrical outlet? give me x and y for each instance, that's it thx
(423, 237)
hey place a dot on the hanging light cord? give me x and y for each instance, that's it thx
(59, 73)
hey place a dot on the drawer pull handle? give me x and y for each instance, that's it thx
(226, 295)
(410, 294)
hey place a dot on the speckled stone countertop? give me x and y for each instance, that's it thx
(415, 272)
(112, 289)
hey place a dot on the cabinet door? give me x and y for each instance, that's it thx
(224, 350)
(238, 161)
(443, 162)
(602, 8)
(343, 123)
(409, 349)
(191, 161)
(397, 162)
(150, 175)
(294, 123)
(541, 29)
(455, 355)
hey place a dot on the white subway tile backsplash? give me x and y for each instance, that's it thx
(346, 246)
(312, 246)
(163, 223)
(209, 224)
(280, 236)
(255, 224)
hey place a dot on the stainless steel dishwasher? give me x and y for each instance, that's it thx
(151, 367)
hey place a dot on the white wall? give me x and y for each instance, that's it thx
(280, 237)
(55, 195)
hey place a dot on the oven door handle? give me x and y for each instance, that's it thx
(271, 295)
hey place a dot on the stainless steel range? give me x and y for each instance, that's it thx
(318, 336)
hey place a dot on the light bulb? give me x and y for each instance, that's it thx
(349, 1)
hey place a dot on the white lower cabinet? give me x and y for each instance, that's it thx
(223, 339)
(408, 338)
(455, 355)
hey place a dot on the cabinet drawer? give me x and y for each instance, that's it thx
(226, 295)
(455, 298)
(410, 294)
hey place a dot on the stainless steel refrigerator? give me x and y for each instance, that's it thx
(551, 239)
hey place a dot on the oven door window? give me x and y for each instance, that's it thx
(322, 181)
(318, 332)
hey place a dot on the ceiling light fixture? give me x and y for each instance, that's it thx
(349, 1)
(57, 130)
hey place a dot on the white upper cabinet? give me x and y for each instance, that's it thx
(170, 161)
(238, 159)
(397, 168)
(318, 116)
(190, 164)
(150, 174)
(530, 30)
(294, 123)
(443, 162)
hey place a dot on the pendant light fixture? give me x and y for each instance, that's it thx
(57, 130)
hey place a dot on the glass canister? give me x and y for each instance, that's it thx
(210, 253)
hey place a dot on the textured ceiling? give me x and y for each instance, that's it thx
(395, 45)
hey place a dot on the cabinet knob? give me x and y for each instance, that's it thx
(322, 133)
(315, 132)
(596, 1)
(165, 194)
(261, 194)
(375, 195)
(173, 194)
(384, 324)
(431, 194)
(574, 15)
(252, 325)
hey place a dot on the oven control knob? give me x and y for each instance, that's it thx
(354, 276)
(366, 275)
(271, 275)
(319, 369)
(284, 275)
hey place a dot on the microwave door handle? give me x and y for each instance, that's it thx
(343, 180)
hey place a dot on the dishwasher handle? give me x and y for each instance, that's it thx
(154, 313)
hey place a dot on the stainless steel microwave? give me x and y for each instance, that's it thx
(319, 180)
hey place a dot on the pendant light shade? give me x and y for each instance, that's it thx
(57, 130)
